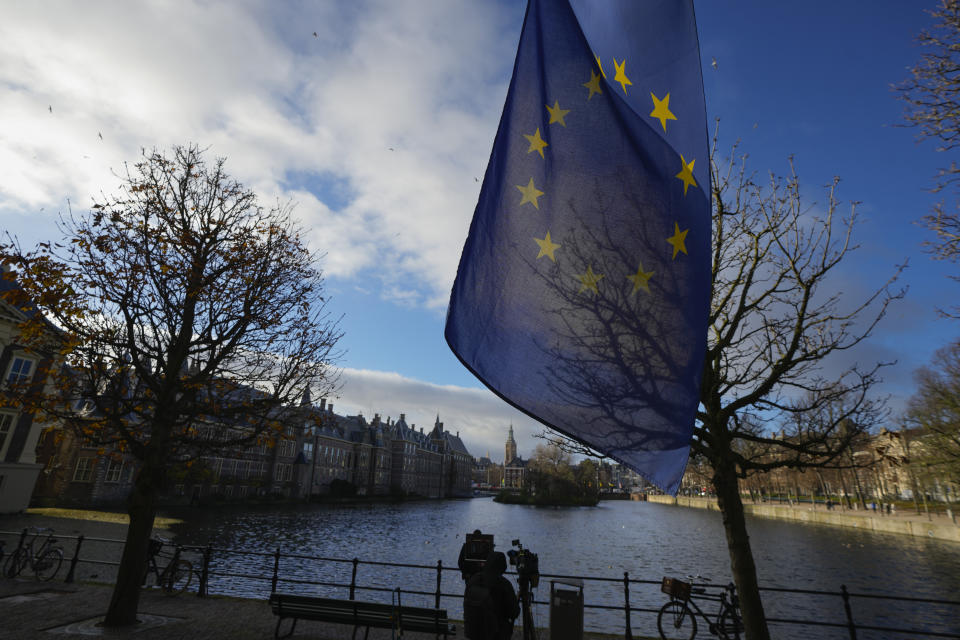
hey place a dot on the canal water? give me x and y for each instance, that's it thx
(647, 540)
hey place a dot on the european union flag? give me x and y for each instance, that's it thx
(583, 292)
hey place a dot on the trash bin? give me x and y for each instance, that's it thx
(566, 609)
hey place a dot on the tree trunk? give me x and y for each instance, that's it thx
(860, 498)
(741, 557)
(141, 506)
(823, 489)
(846, 494)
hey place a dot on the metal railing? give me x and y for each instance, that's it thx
(277, 569)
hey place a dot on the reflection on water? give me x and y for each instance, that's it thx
(645, 539)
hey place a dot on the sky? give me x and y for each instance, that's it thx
(376, 119)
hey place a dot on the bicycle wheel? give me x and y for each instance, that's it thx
(15, 563)
(47, 565)
(730, 625)
(176, 578)
(676, 622)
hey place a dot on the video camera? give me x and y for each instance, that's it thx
(526, 562)
(476, 548)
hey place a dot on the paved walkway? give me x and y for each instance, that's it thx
(31, 609)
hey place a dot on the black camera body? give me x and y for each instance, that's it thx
(526, 562)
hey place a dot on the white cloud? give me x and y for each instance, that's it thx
(252, 82)
(481, 418)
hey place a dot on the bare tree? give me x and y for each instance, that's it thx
(935, 407)
(182, 302)
(932, 95)
(768, 397)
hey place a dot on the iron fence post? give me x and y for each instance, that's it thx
(628, 634)
(439, 578)
(74, 561)
(205, 571)
(276, 571)
(846, 607)
(353, 578)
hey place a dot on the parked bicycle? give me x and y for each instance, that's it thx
(677, 619)
(44, 557)
(175, 576)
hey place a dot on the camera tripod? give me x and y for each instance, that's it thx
(526, 599)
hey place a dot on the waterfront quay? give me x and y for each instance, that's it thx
(910, 523)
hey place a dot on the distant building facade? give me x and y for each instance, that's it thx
(514, 467)
(19, 431)
(324, 454)
(510, 449)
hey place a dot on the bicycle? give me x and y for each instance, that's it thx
(45, 559)
(677, 619)
(175, 577)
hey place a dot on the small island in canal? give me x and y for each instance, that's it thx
(541, 500)
(550, 480)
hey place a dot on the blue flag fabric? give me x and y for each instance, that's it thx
(583, 292)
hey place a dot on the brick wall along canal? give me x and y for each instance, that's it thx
(647, 540)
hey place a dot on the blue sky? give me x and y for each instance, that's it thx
(380, 125)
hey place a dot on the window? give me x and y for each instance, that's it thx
(284, 472)
(114, 471)
(84, 470)
(6, 427)
(286, 448)
(20, 370)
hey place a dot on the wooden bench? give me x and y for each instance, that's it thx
(359, 614)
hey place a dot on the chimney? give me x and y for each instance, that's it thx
(458, 434)
(323, 404)
(330, 407)
(403, 417)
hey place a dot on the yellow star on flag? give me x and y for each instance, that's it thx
(556, 113)
(600, 66)
(530, 194)
(640, 279)
(621, 75)
(536, 142)
(686, 174)
(678, 240)
(589, 280)
(661, 110)
(593, 84)
(547, 247)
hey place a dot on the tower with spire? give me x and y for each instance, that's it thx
(511, 448)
